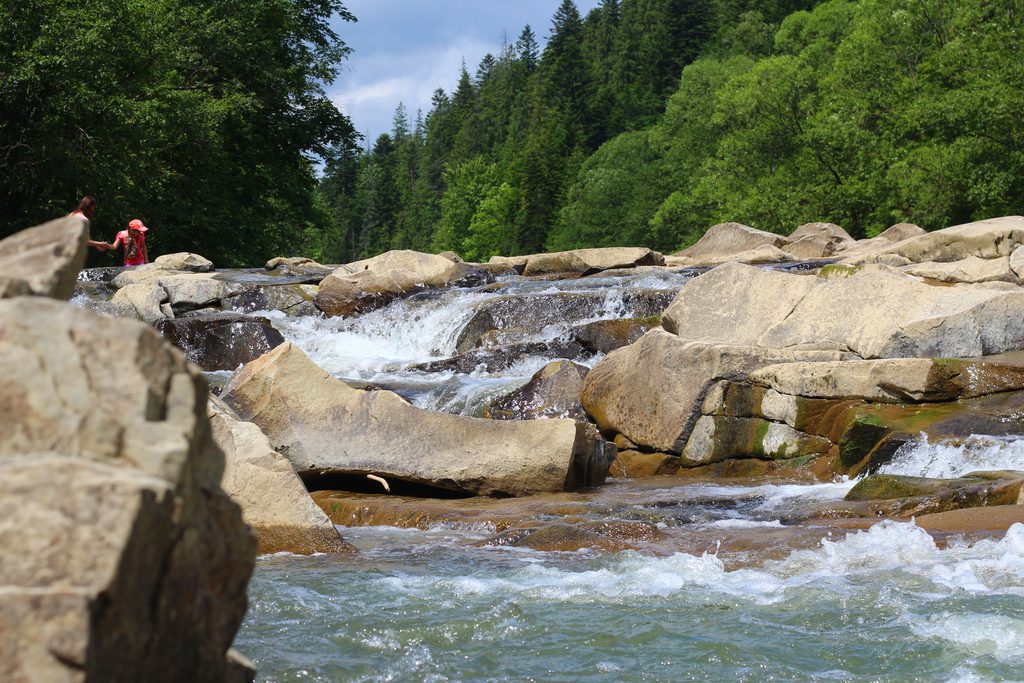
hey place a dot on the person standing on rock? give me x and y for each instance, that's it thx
(86, 208)
(133, 241)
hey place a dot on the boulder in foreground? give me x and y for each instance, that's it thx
(135, 565)
(326, 428)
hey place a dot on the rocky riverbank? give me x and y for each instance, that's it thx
(749, 355)
(812, 372)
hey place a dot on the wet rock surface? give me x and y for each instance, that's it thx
(534, 313)
(220, 341)
(552, 392)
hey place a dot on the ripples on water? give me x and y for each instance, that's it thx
(882, 604)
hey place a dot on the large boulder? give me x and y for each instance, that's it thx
(651, 391)
(589, 261)
(817, 240)
(725, 241)
(145, 301)
(184, 261)
(221, 340)
(44, 260)
(185, 291)
(273, 500)
(987, 239)
(871, 313)
(373, 283)
(134, 565)
(326, 428)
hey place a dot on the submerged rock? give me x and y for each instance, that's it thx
(901, 496)
(325, 427)
(553, 391)
(44, 260)
(273, 500)
(520, 318)
(604, 336)
(498, 358)
(291, 299)
(135, 567)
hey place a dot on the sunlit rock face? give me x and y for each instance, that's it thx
(123, 558)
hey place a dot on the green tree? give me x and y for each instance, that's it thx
(203, 119)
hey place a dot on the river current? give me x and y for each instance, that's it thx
(736, 590)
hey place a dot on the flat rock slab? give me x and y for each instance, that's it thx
(323, 426)
(873, 312)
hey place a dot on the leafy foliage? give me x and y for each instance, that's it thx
(201, 117)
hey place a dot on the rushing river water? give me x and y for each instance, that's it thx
(740, 584)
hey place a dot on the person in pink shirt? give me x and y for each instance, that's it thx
(133, 241)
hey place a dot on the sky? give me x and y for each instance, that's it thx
(402, 50)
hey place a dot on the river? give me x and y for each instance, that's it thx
(723, 581)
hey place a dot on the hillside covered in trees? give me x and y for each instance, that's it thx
(862, 113)
(641, 123)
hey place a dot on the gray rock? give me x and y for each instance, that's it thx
(135, 566)
(221, 341)
(44, 260)
(324, 427)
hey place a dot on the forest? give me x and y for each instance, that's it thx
(643, 122)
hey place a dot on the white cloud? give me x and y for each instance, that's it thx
(369, 92)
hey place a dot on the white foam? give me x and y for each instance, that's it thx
(947, 460)
(993, 635)
(889, 549)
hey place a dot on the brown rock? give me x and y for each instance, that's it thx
(273, 500)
